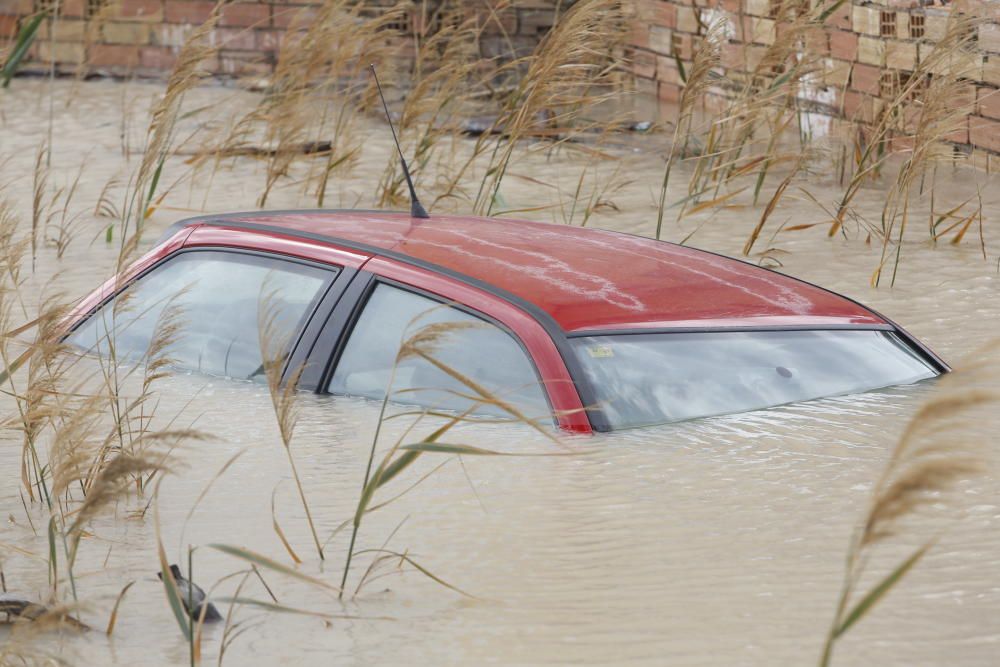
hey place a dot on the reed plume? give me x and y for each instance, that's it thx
(940, 111)
(934, 455)
(444, 81)
(160, 133)
(573, 70)
(697, 83)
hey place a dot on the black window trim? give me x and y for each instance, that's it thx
(334, 287)
(369, 282)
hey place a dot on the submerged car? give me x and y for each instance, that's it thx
(595, 330)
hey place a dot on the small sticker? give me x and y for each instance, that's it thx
(600, 352)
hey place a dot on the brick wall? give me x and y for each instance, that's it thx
(142, 37)
(865, 43)
(865, 46)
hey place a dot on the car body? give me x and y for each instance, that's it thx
(570, 298)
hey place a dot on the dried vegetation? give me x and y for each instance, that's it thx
(89, 445)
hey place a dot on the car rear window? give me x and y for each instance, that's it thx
(647, 379)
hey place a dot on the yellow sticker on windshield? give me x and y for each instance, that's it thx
(600, 351)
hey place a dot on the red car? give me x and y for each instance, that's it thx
(597, 330)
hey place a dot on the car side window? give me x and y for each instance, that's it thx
(426, 341)
(216, 298)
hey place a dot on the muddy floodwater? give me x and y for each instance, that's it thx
(714, 542)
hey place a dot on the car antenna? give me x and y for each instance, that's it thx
(416, 209)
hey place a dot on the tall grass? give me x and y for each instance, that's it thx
(940, 112)
(320, 86)
(571, 73)
(938, 450)
(161, 132)
(274, 344)
(420, 343)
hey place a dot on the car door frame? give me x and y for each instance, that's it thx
(237, 242)
(542, 352)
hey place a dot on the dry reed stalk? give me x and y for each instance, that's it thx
(943, 66)
(942, 110)
(93, 27)
(765, 103)
(421, 345)
(66, 227)
(936, 452)
(443, 82)
(40, 177)
(706, 60)
(160, 133)
(274, 347)
(323, 55)
(572, 72)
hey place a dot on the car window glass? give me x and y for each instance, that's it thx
(647, 379)
(479, 350)
(216, 297)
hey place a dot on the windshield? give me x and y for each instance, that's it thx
(646, 379)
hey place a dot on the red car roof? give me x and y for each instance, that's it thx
(586, 279)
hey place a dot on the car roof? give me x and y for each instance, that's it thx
(585, 279)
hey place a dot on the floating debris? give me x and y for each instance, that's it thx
(193, 597)
(15, 607)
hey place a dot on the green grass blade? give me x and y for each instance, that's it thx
(876, 594)
(24, 40)
(830, 10)
(53, 562)
(397, 466)
(680, 68)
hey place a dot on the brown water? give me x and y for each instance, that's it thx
(719, 541)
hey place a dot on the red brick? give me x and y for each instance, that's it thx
(964, 99)
(989, 102)
(638, 35)
(284, 17)
(150, 10)
(667, 72)
(189, 12)
(113, 55)
(237, 63)
(657, 12)
(641, 63)
(843, 45)
(985, 133)
(8, 26)
(668, 92)
(241, 14)
(161, 58)
(961, 135)
(901, 143)
(234, 38)
(856, 105)
(269, 40)
(72, 8)
(733, 56)
(865, 78)
(841, 18)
